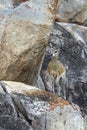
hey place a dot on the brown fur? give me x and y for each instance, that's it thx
(58, 71)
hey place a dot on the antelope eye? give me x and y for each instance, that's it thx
(56, 51)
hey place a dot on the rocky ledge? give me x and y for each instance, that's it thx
(25, 107)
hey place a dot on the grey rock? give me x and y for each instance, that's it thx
(13, 123)
(39, 110)
(33, 109)
(2, 128)
(2, 88)
(6, 105)
(85, 120)
(71, 40)
(72, 11)
(64, 121)
(36, 109)
(39, 84)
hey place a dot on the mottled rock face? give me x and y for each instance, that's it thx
(72, 11)
(11, 123)
(6, 105)
(24, 33)
(38, 110)
(71, 39)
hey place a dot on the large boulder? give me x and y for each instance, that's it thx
(24, 32)
(71, 40)
(37, 110)
(72, 11)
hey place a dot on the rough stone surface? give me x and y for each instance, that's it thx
(39, 109)
(6, 105)
(85, 121)
(65, 121)
(12, 123)
(24, 33)
(72, 11)
(71, 40)
(39, 84)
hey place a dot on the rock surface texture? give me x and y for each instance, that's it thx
(25, 26)
(24, 31)
(35, 109)
(72, 11)
(71, 40)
